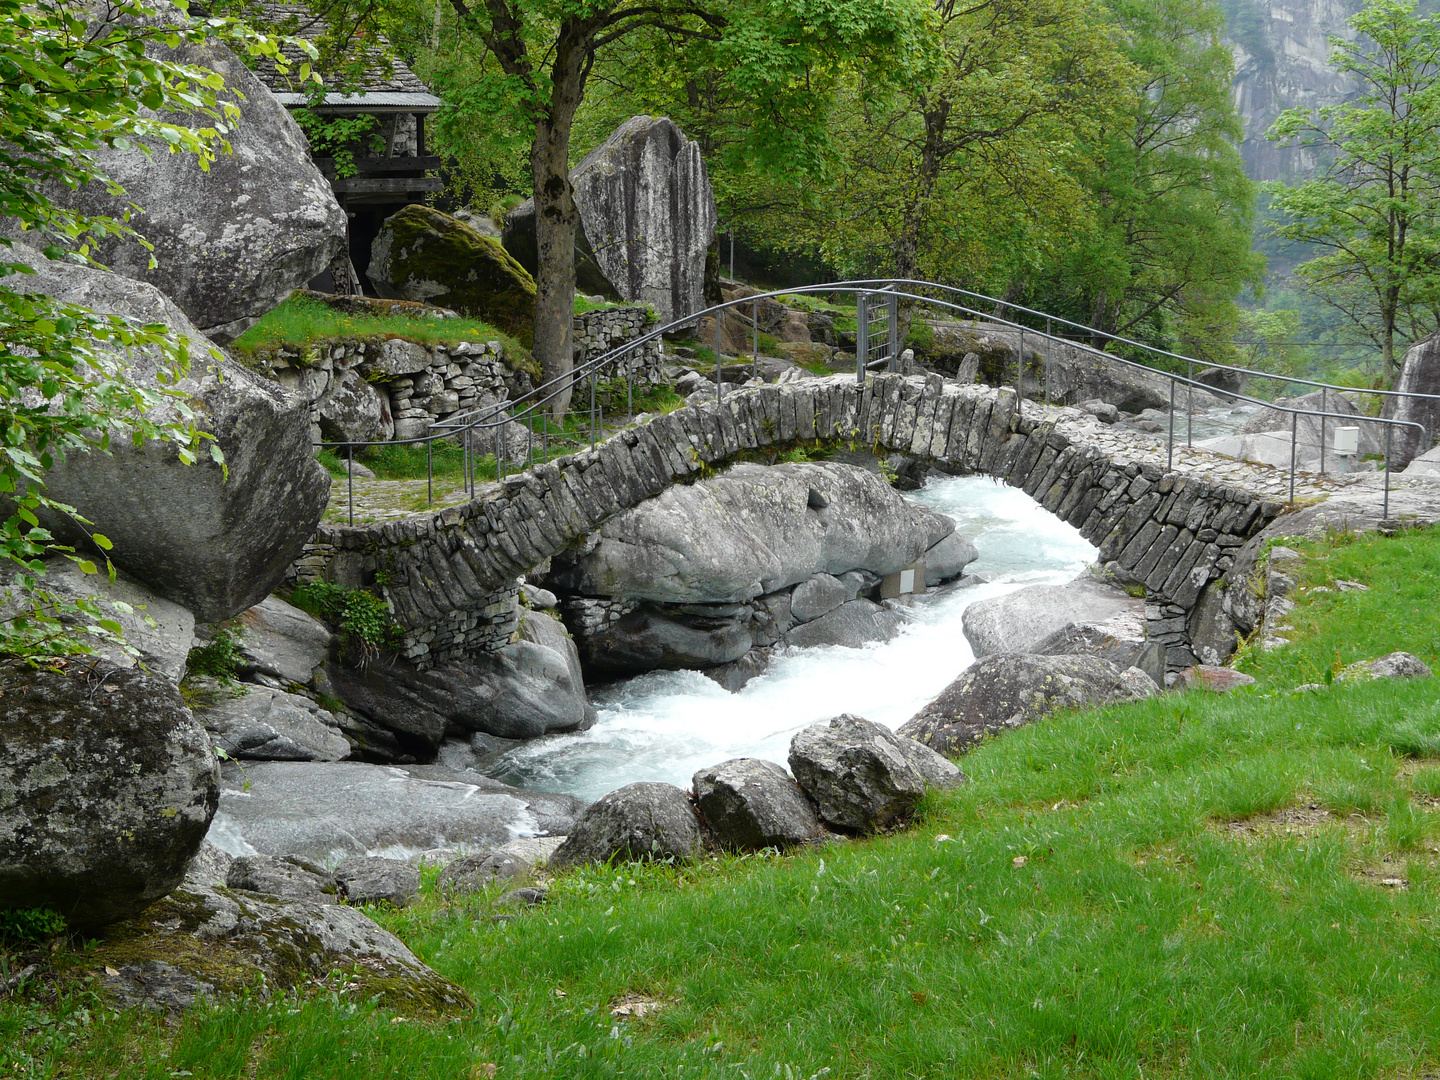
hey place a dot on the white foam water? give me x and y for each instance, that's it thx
(666, 725)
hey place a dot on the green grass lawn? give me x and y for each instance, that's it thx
(1236, 885)
(299, 321)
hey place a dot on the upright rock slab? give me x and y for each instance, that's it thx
(648, 214)
(107, 787)
(214, 540)
(1420, 374)
(232, 242)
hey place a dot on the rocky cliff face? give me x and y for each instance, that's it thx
(1282, 61)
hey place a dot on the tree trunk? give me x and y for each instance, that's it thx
(556, 217)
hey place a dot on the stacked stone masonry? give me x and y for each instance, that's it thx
(419, 384)
(1173, 530)
(597, 332)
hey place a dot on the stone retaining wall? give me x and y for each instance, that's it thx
(597, 332)
(1174, 531)
(371, 391)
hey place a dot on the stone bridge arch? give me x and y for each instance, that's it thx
(450, 576)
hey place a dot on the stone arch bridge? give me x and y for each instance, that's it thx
(450, 575)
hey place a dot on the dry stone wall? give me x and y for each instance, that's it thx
(1172, 530)
(371, 391)
(599, 331)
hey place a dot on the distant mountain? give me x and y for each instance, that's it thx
(1282, 50)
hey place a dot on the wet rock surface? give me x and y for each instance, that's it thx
(261, 724)
(1019, 621)
(372, 880)
(107, 787)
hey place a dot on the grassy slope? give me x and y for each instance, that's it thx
(1083, 908)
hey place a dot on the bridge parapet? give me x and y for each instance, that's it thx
(450, 576)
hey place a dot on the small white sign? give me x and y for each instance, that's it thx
(907, 581)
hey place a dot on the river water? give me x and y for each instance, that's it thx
(666, 725)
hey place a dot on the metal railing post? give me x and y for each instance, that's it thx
(892, 329)
(755, 342)
(719, 393)
(350, 477)
(429, 471)
(1170, 439)
(1020, 375)
(1389, 431)
(1323, 409)
(545, 434)
(592, 410)
(862, 335)
(1049, 346)
(1295, 428)
(1189, 403)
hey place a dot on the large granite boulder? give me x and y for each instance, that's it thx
(232, 242)
(1119, 639)
(1426, 464)
(750, 803)
(207, 943)
(948, 559)
(527, 688)
(751, 530)
(256, 723)
(280, 641)
(633, 823)
(862, 776)
(354, 411)
(652, 638)
(158, 631)
(425, 255)
(107, 786)
(851, 625)
(1419, 374)
(1010, 690)
(287, 877)
(325, 810)
(373, 880)
(647, 212)
(1308, 428)
(214, 540)
(1020, 621)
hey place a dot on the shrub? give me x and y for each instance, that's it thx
(25, 926)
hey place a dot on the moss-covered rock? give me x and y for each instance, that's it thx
(424, 255)
(107, 786)
(203, 942)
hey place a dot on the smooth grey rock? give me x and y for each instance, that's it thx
(818, 595)
(948, 559)
(1217, 680)
(851, 625)
(262, 724)
(653, 638)
(159, 630)
(1018, 622)
(1010, 690)
(1213, 635)
(1103, 411)
(471, 873)
(1426, 464)
(107, 786)
(279, 639)
(329, 810)
(939, 772)
(213, 541)
(734, 675)
(355, 411)
(635, 822)
(203, 942)
(1119, 639)
(858, 773)
(372, 880)
(648, 217)
(529, 896)
(747, 532)
(210, 866)
(538, 598)
(1395, 665)
(750, 803)
(232, 242)
(289, 877)
(528, 688)
(1276, 424)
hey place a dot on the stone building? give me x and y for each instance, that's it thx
(386, 167)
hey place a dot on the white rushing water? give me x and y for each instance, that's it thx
(666, 725)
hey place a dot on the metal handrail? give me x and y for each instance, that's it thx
(501, 413)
